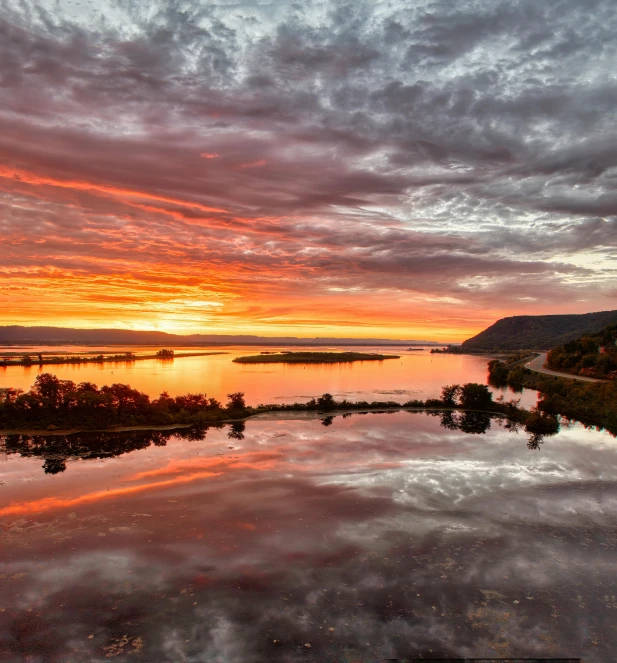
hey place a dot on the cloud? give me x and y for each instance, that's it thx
(416, 148)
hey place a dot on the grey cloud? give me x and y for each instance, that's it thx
(445, 118)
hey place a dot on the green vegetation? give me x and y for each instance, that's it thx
(54, 404)
(592, 403)
(65, 404)
(56, 449)
(593, 355)
(311, 358)
(537, 331)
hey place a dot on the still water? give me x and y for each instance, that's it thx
(348, 539)
(416, 374)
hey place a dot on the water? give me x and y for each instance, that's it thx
(417, 374)
(376, 536)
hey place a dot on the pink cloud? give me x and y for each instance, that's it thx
(254, 164)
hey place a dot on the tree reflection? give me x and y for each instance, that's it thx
(448, 421)
(54, 465)
(534, 441)
(472, 423)
(57, 449)
(236, 430)
(475, 423)
(537, 425)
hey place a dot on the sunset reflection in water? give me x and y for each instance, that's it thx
(416, 374)
(376, 536)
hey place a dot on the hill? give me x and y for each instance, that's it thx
(15, 335)
(538, 332)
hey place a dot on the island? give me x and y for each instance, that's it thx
(39, 359)
(311, 358)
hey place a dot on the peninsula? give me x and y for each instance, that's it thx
(53, 406)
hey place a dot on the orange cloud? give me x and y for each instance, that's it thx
(51, 503)
(251, 461)
(34, 179)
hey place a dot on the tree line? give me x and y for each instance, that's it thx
(594, 355)
(52, 403)
(56, 449)
(591, 403)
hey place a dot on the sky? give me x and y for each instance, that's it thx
(363, 169)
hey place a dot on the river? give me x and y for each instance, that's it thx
(416, 374)
(358, 538)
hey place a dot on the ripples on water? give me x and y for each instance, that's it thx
(376, 536)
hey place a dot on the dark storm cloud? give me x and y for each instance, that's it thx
(485, 125)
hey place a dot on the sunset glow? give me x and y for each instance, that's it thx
(307, 171)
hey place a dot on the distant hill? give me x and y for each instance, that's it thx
(15, 334)
(538, 332)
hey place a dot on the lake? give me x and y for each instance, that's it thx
(417, 374)
(355, 538)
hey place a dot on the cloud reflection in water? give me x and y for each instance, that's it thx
(377, 536)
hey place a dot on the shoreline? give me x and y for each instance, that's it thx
(272, 415)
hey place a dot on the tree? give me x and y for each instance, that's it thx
(474, 395)
(191, 402)
(236, 401)
(450, 394)
(326, 402)
(52, 391)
